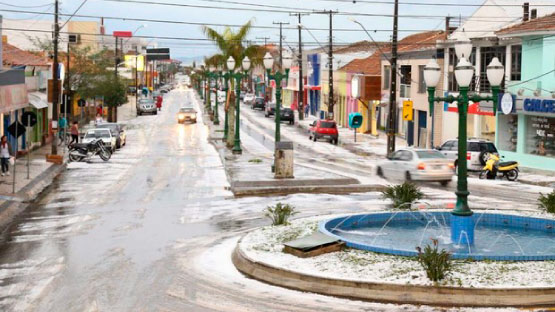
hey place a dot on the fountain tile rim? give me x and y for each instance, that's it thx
(498, 218)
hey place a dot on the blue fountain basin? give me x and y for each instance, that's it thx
(496, 236)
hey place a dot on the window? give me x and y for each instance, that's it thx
(406, 156)
(488, 53)
(386, 77)
(429, 154)
(453, 60)
(516, 62)
(540, 136)
(406, 74)
(421, 82)
(449, 146)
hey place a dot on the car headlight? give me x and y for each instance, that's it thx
(181, 116)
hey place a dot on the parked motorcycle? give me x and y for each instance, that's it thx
(84, 151)
(494, 168)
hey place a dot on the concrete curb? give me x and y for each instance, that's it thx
(9, 210)
(296, 182)
(327, 189)
(393, 293)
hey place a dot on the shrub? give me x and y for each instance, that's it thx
(280, 213)
(547, 202)
(255, 160)
(436, 263)
(402, 195)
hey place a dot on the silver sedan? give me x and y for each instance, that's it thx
(417, 165)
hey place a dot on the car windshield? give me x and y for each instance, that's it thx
(327, 124)
(113, 127)
(97, 134)
(259, 100)
(186, 109)
(146, 102)
(429, 154)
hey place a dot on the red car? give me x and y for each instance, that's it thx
(159, 102)
(324, 129)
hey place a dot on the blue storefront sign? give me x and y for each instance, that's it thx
(539, 105)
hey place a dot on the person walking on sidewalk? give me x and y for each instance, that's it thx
(5, 155)
(74, 132)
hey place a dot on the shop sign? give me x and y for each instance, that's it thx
(539, 105)
(507, 104)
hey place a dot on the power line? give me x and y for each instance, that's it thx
(433, 4)
(75, 12)
(293, 10)
(27, 6)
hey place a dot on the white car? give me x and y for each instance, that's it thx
(477, 151)
(103, 134)
(249, 97)
(417, 165)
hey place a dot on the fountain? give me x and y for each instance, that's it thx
(483, 235)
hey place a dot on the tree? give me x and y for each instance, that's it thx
(230, 43)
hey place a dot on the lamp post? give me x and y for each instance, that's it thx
(238, 76)
(226, 77)
(462, 227)
(278, 76)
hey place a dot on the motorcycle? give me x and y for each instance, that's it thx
(84, 151)
(493, 168)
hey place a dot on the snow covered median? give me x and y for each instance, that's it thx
(265, 245)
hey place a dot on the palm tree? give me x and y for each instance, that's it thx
(230, 43)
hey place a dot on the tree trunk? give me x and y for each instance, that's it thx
(110, 114)
(231, 121)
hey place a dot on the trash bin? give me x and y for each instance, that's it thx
(283, 160)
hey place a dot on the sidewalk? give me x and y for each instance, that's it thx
(41, 175)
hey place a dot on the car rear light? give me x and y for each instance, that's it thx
(468, 156)
(451, 165)
(421, 166)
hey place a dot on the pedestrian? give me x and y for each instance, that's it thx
(74, 132)
(98, 119)
(5, 155)
(62, 124)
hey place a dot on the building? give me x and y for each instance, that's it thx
(481, 29)
(31, 72)
(526, 129)
(366, 74)
(414, 52)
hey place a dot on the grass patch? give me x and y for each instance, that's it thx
(255, 160)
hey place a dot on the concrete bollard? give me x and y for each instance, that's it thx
(283, 160)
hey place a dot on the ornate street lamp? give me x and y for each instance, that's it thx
(278, 76)
(238, 76)
(226, 77)
(212, 75)
(462, 226)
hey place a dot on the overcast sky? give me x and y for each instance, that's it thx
(181, 48)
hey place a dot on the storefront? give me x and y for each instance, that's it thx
(526, 131)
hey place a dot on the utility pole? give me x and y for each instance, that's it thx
(300, 106)
(137, 75)
(331, 101)
(280, 42)
(392, 120)
(55, 91)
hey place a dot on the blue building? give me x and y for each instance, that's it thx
(313, 84)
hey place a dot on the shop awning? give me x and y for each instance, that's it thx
(38, 100)
(312, 87)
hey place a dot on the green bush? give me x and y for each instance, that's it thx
(547, 202)
(436, 263)
(402, 195)
(280, 213)
(255, 160)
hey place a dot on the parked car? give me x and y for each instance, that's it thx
(324, 129)
(286, 114)
(187, 114)
(258, 103)
(477, 151)
(117, 131)
(248, 98)
(269, 109)
(417, 165)
(103, 134)
(146, 106)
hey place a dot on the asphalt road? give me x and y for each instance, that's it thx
(151, 230)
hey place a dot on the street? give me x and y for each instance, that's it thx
(137, 233)
(151, 230)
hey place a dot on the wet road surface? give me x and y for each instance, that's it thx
(151, 230)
